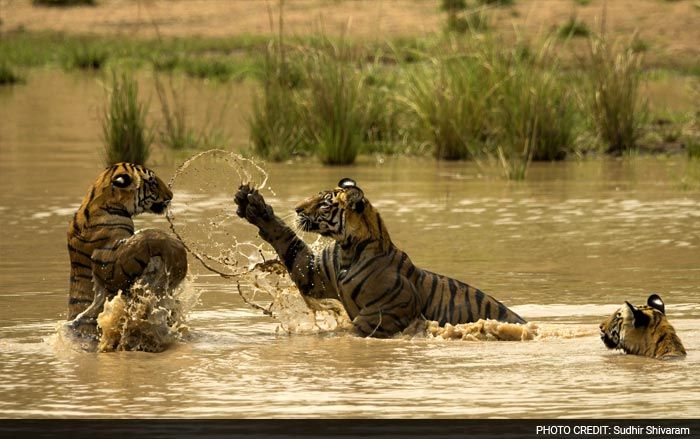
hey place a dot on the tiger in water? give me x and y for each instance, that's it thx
(378, 285)
(642, 330)
(106, 255)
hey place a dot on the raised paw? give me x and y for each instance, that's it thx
(241, 199)
(252, 206)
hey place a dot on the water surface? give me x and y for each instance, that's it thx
(565, 248)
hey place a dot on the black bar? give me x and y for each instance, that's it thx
(349, 428)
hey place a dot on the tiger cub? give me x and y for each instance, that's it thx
(105, 254)
(380, 288)
(642, 330)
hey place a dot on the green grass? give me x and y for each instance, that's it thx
(613, 94)
(126, 134)
(86, 56)
(693, 148)
(487, 99)
(8, 75)
(333, 105)
(449, 101)
(194, 56)
(214, 68)
(276, 126)
(573, 28)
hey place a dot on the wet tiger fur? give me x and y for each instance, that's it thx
(380, 288)
(105, 254)
(642, 330)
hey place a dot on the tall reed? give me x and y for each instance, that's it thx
(450, 101)
(534, 114)
(276, 129)
(333, 104)
(126, 134)
(613, 90)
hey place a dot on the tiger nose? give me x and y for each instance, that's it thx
(298, 209)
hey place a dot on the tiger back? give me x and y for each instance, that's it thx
(104, 252)
(642, 330)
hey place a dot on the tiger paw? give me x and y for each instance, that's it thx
(241, 199)
(83, 327)
(252, 206)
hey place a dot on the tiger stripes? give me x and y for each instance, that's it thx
(642, 330)
(380, 288)
(100, 228)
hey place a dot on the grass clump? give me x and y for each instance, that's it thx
(333, 106)
(86, 56)
(276, 129)
(613, 93)
(693, 148)
(126, 135)
(202, 68)
(489, 99)
(534, 114)
(8, 74)
(449, 100)
(573, 28)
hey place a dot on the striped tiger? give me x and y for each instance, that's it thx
(380, 288)
(642, 330)
(105, 254)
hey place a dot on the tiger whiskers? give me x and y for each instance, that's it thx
(378, 325)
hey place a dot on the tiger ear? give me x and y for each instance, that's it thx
(354, 195)
(121, 181)
(655, 302)
(346, 183)
(640, 319)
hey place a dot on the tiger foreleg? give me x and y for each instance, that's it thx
(306, 269)
(85, 323)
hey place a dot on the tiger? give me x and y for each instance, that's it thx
(642, 330)
(106, 255)
(382, 291)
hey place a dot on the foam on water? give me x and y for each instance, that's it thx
(145, 320)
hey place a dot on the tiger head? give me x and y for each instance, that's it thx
(343, 214)
(129, 188)
(642, 330)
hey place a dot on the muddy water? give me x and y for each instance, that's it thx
(563, 249)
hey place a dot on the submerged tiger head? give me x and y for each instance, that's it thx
(130, 189)
(342, 213)
(642, 330)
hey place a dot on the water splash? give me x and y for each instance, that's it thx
(202, 214)
(145, 320)
(205, 186)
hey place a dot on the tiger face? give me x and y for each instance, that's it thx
(132, 188)
(333, 213)
(642, 330)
